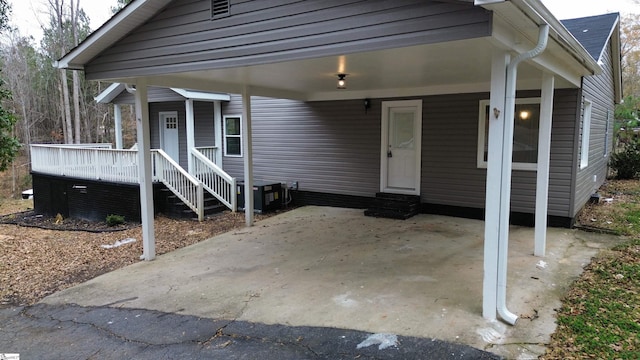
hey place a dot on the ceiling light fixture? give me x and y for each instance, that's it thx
(342, 83)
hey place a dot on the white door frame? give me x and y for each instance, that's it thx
(386, 106)
(161, 117)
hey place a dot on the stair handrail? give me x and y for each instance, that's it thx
(186, 187)
(214, 179)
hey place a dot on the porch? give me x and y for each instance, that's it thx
(103, 163)
(333, 267)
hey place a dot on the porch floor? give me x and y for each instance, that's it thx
(334, 267)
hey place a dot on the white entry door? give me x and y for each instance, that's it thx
(401, 147)
(169, 140)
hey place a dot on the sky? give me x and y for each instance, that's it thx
(29, 14)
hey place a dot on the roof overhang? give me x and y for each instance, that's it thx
(125, 21)
(519, 13)
(439, 68)
(110, 93)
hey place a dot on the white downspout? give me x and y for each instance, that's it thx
(507, 157)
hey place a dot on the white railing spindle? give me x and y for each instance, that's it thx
(214, 179)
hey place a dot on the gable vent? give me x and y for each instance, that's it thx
(220, 8)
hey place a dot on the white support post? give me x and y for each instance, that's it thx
(117, 119)
(493, 189)
(144, 164)
(248, 156)
(217, 131)
(544, 153)
(191, 142)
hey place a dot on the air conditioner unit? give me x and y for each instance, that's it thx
(266, 196)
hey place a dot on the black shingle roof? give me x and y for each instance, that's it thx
(592, 32)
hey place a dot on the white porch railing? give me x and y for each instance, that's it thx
(99, 162)
(95, 163)
(175, 178)
(209, 152)
(214, 179)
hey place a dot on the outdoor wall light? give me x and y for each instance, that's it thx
(342, 83)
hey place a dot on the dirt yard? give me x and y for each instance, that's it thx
(36, 262)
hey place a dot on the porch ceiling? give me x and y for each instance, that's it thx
(451, 67)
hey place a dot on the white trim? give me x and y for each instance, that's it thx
(201, 96)
(117, 119)
(384, 144)
(246, 146)
(217, 132)
(239, 136)
(110, 93)
(190, 132)
(481, 163)
(144, 166)
(586, 133)
(544, 160)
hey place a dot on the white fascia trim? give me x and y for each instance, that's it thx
(110, 93)
(565, 38)
(201, 96)
(100, 38)
(539, 15)
(486, 2)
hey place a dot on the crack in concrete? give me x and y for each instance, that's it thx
(106, 331)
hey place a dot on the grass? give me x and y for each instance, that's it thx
(600, 316)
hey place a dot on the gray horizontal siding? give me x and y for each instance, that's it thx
(204, 131)
(334, 147)
(183, 37)
(331, 147)
(600, 91)
(449, 171)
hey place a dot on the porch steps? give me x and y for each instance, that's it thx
(394, 206)
(174, 207)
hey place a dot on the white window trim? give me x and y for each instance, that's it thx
(586, 133)
(607, 132)
(481, 163)
(225, 136)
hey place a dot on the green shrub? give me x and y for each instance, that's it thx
(113, 220)
(626, 163)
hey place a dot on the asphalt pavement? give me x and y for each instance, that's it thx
(67, 331)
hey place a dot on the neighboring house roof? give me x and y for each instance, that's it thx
(593, 32)
(115, 89)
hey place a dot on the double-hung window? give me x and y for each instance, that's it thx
(586, 134)
(525, 133)
(232, 135)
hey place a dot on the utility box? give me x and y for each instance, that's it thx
(266, 196)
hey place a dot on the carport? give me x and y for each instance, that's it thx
(332, 267)
(517, 45)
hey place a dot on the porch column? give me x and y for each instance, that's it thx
(217, 131)
(191, 142)
(144, 169)
(495, 142)
(117, 118)
(248, 156)
(544, 152)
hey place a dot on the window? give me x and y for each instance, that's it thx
(220, 8)
(586, 133)
(232, 135)
(525, 134)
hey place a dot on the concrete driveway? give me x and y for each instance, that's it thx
(333, 267)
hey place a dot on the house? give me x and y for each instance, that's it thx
(349, 99)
